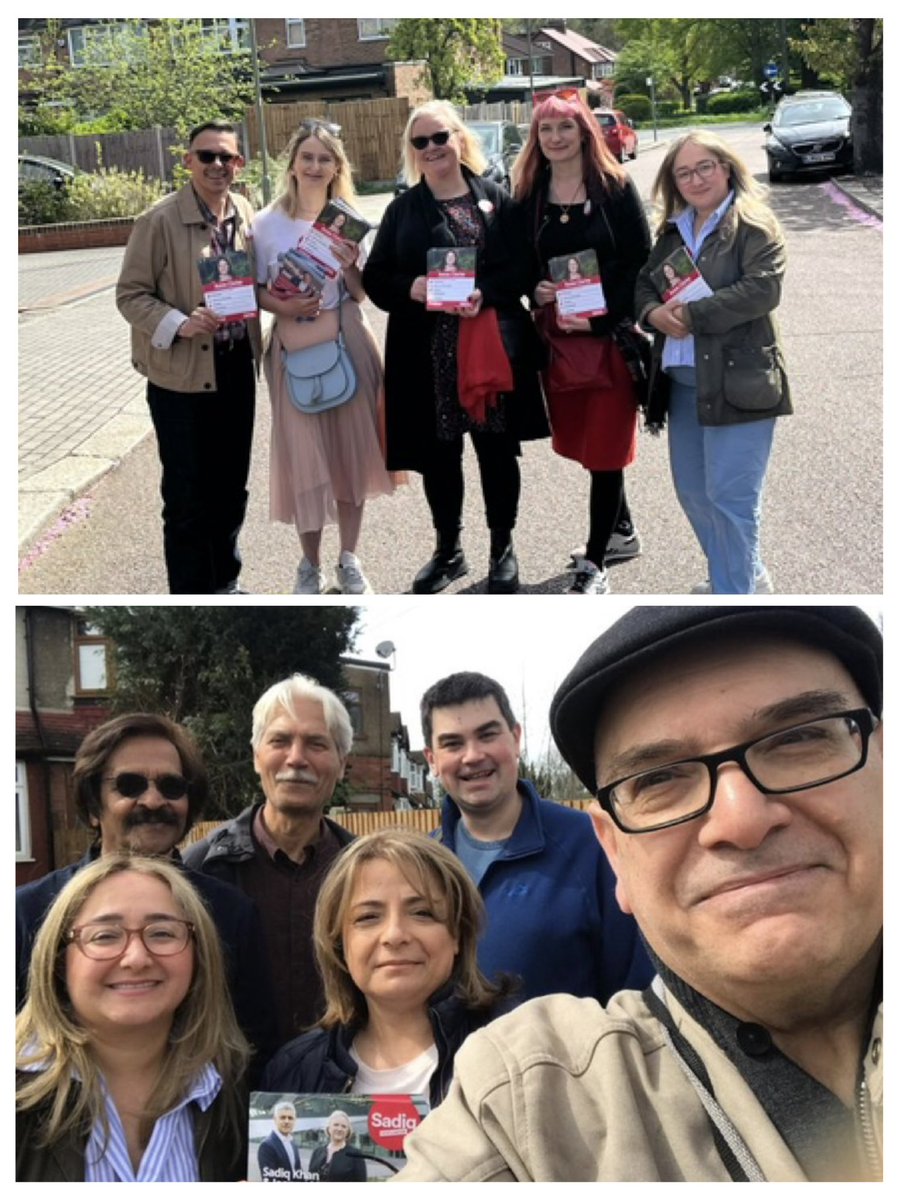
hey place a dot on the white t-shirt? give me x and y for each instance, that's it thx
(410, 1079)
(274, 232)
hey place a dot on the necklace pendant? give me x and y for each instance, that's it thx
(564, 217)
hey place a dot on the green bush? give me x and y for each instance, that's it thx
(732, 102)
(40, 203)
(637, 108)
(668, 108)
(111, 192)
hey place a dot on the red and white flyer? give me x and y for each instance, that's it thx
(577, 279)
(450, 277)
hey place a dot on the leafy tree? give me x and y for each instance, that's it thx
(552, 776)
(459, 54)
(673, 50)
(206, 667)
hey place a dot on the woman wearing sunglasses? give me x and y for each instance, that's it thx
(578, 197)
(719, 356)
(129, 1062)
(323, 466)
(449, 204)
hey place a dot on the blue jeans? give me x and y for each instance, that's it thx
(718, 472)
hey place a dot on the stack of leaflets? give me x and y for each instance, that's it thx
(337, 222)
(298, 275)
(289, 1136)
(578, 285)
(228, 285)
(678, 278)
(450, 277)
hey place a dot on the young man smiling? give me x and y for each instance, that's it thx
(552, 918)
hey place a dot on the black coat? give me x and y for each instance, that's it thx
(412, 225)
(347, 1166)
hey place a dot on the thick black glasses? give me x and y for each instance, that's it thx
(790, 760)
(210, 156)
(161, 938)
(440, 138)
(131, 785)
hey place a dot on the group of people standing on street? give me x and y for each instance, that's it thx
(492, 368)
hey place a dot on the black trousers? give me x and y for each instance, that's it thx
(204, 441)
(442, 481)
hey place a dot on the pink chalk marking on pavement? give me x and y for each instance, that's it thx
(73, 515)
(858, 214)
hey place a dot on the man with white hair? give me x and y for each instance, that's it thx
(280, 850)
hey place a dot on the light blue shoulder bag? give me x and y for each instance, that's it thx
(320, 377)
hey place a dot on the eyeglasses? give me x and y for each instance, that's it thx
(790, 760)
(161, 938)
(130, 784)
(210, 156)
(703, 171)
(440, 139)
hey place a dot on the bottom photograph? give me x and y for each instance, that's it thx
(463, 890)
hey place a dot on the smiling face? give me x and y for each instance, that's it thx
(397, 947)
(338, 1128)
(138, 991)
(436, 163)
(149, 823)
(704, 193)
(560, 139)
(212, 180)
(475, 754)
(313, 164)
(297, 761)
(765, 894)
(285, 1120)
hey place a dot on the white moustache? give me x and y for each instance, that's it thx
(295, 777)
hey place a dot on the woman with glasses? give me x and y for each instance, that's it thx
(129, 1063)
(719, 358)
(450, 204)
(324, 466)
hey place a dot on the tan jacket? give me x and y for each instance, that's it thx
(563, 1090)
(159, 273)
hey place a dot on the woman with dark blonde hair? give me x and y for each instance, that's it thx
(323, 465)
(719, 358)
(129, 1061)
(577, 197)
(396, 930)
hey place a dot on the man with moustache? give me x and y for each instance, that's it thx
(140, 784)
(279, 851)
(736, 755)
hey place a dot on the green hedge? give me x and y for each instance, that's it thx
(733, 102)
(636, 108)
(89, 196)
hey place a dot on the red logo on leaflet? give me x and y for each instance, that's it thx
(391, 1118)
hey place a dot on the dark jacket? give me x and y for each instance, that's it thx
(412, 225)
(552, 915)
(347, 1165)
(320, 1061)
(739, 364)
(240, 933)
(221, 1153)
(272, 1157)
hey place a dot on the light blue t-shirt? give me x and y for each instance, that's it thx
(476, 856)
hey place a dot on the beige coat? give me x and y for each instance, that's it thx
(159, 273)
(564, 1090)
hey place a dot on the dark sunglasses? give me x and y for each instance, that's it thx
(309, 128)
(131, 785)
(440, 139)
(210, 156)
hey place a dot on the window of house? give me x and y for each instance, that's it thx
(94, 43)
(23, 817)
(29, 50)
(355, 709)
(514, 66)
(295, 34)
(93, 662)
(232, 33)
(373, 28)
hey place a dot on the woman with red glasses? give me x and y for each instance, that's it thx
(450, 204)
(578, 197)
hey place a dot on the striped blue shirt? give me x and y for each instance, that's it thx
(680, 352)
(170, 1157)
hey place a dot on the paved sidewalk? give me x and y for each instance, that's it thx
(864, 190)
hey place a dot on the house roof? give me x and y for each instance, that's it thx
(579, 44)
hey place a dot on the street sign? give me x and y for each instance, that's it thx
(771, 70)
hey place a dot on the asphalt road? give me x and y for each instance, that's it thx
(822, 523)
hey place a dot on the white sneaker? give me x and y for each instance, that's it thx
(351, 579)
(763, 585)
(589, 580)
(309, 581)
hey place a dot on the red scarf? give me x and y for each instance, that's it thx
(483, 368)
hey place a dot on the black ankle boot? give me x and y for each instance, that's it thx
(445, 565)
(503, 571)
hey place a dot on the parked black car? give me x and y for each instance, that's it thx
(810, 131)
(501, 142)
(47, 170)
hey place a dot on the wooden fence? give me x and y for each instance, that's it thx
(147, 150)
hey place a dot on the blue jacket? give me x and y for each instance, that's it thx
(552, 916)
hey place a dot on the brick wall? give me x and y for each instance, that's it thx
(329, 43)
(76, 235)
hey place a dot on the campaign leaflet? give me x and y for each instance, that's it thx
(678, 278)
(337, 221)
(228, 285)
(297, 275)
(289, 1136)
(577, 279)
(450, 277)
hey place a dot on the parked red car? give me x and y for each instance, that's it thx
(621, 138)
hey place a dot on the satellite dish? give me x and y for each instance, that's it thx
(385, 649)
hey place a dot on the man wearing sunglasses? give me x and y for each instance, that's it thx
(201, 373)
(140, 784)
(736, 756)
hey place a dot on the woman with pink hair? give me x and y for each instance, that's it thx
(577, 197)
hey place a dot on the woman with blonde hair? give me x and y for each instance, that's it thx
(396, 930)
(337, 1161)
(129, 1061)
(324, 465)
(449, 204)
(719, 371)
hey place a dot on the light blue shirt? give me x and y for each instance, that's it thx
(171, 1155)
(680, 352)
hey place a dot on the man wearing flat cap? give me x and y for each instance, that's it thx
(736, 756)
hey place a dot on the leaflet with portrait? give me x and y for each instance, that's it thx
(577, 282)
(228, 285)
(678, 278)
(450, 277)
(289, 1139)
(337, 221)
(297, 275)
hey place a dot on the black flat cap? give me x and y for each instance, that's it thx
(647, 631)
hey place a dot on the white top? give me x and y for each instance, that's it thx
(273, 233)
(410, 1079)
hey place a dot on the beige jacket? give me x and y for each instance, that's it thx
(159, 276)
(563, 1090)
